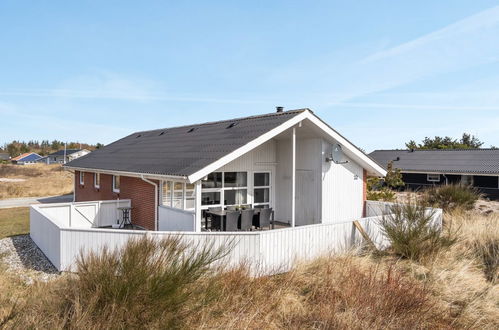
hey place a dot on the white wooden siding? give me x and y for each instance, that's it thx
(308, 158)
(342, 189)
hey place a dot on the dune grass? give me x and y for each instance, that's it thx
(452, 289)
(39, 180)
(14, 221)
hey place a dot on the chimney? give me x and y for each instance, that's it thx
(279, 109)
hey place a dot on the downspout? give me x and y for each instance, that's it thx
(155, 200)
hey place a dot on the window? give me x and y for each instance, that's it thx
(261, 192)
(433, 177)
(210, 198)
(190, 196)
(235, 188)
(82, 178)
(167, 193)
(235, 179)
(235, 197)
(116, 183)
(212, 189)
(229, 187)
(213, 180)
(97, 180)
(179, 195)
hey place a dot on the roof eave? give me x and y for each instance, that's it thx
(126, 173)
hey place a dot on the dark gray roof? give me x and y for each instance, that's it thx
(61, 152)
(472, 161)
(180, 151)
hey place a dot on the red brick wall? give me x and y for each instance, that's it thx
(138, 191)
(364, 192)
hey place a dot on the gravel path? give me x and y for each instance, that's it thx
(21, 256)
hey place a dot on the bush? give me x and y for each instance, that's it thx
(384, 194)
(411, 230)
(146, 284)
(449, 197)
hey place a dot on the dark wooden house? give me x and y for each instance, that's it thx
(422, 168)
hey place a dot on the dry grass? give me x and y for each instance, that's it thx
(453, 289)
(14, 221)
(40, 180)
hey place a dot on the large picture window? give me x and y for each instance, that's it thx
(231, 188)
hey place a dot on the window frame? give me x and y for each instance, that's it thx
(116, 190)
(269, 187)
(224, 188)
(168, 196)
(82, 178)
(429, 179)
(96, 184)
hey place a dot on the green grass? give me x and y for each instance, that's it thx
(14, 221)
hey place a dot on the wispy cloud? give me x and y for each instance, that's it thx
(121, 95)
(470, 42)
(402, 106)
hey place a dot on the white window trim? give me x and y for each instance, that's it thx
(116, 190)
(95, 180)
(82, 178)
(434, 179)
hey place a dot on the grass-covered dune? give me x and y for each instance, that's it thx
(150, 285)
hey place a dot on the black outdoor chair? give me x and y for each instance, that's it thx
(231, 220)
(216, 223)
(263, 219)
(246, 219)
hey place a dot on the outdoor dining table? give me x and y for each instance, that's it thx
(223, 214)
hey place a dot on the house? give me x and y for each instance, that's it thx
(63, 156)
(26, 158)
(290, 161)
(422, 168)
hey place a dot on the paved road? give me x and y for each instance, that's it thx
(27, 201)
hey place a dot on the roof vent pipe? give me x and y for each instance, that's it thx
(279, 109)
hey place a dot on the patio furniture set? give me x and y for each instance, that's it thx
(233, 219)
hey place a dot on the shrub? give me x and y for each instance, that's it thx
(384, 194)
(449, 197)
(145, 284)
(411, 230)
(376, 190)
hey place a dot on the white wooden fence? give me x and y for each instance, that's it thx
(172, 219)
(265, 252)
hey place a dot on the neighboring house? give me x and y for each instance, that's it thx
(290, 161)
(421, 168)
(26, 158)
(4, 156)
(64, 156)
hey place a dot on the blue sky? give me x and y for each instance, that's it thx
(380, 72)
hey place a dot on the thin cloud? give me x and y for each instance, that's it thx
(125, 96)
(467, 43)
(414, 106)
